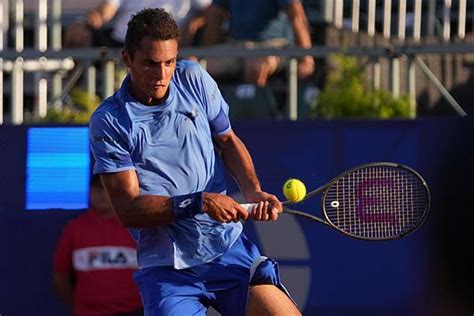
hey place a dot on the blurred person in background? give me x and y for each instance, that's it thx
(94, 261)
(257, 24)
(92, 30)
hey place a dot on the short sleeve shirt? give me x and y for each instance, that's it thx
(171, 149)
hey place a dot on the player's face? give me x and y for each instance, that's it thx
(151, 69)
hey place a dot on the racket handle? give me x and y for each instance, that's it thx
(248, 206)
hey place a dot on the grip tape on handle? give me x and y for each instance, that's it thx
(248, 206)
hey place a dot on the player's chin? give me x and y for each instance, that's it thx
(158, 91)
(158, 95)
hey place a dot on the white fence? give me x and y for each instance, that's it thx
(437, 17)
(47, 56)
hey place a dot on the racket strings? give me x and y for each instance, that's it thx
(376, 202)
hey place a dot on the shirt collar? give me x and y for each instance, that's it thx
(125, 95)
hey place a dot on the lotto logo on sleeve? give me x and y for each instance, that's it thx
(106, 257)
(105, 139)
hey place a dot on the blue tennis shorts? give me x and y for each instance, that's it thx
(222, 283)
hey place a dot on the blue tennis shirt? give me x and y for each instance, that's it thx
(170, 147)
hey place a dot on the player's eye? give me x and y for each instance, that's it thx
(170, 62)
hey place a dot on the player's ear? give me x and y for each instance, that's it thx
(127, 59)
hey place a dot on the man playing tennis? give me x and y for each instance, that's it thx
(158, 143)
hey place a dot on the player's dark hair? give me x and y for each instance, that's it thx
(156, 24)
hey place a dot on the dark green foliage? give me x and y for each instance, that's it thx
(346, 95)
(78, 110)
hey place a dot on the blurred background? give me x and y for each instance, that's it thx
(393, 81)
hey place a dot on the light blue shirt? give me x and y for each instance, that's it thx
(170, 147)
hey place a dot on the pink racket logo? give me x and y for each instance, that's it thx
(373, 204)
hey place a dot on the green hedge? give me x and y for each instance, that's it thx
(78, 110)
(346, 95)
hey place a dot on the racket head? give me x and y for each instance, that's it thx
(377, 201)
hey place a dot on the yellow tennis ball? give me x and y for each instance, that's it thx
(294, 190)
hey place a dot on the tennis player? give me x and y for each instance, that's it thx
(160, 144)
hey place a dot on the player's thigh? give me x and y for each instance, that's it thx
(229, 294)
(231, 301)
(169, 292)
(168, 299)
(268, 299)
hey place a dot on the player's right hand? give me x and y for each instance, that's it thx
(223, 208)
(264, 211)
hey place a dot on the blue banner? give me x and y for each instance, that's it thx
(326, 272)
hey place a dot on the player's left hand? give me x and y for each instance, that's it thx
(267, 207)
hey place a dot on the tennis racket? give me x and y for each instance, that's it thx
(376, 201)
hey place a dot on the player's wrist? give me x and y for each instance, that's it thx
(251, 190)
(187, 205)
(254, 194)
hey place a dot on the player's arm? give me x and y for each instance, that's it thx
(238, 161)
(113, 162)
(133, 209)
(299, 22)
(144, 211)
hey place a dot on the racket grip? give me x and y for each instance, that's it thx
(248, 206)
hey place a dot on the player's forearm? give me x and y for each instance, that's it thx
(132, 208)
(149, 211)
(145, 211)
(239, 163)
